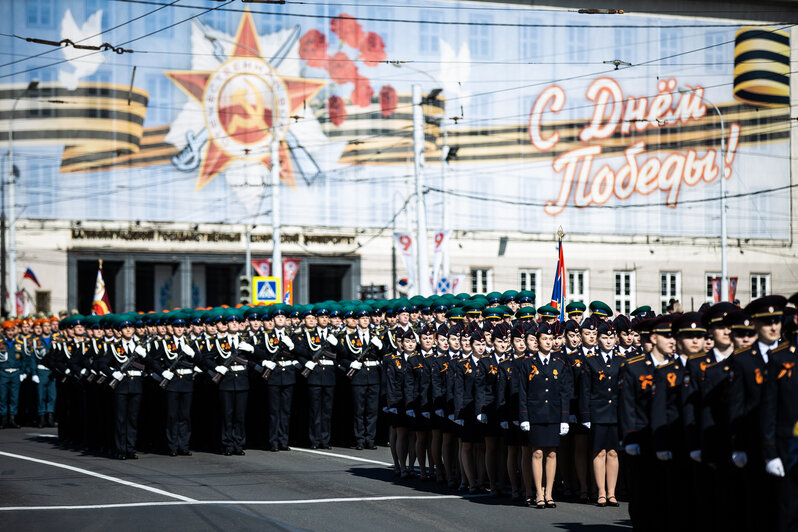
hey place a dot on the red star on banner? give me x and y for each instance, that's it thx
(215, 157)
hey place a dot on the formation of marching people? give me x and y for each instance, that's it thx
(696, 413)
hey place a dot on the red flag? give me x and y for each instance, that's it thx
(101, 304)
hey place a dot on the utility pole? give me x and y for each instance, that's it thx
(277, 252)
(422, 274)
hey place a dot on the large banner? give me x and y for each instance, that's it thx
(534, 118)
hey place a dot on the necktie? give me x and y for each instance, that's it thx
(546, 361)
(607, 359)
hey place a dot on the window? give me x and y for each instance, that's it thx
(529, 279)
(40, 13)
(669, 45)
(39, 107)
(158, 21)
(159, 104)
(36, 180)
(481, 109)
(578, 285)
(92, 6)
(624, 292)
(670, 287)
(714, 52)
(481, 280)
(480, 36)
(218, 20)
(384, 27)
(43, 301)
(429, 34)
(268, 24)
(576, 44)
(760, 285)
(624, 44)
(713, 287)
(529, 39)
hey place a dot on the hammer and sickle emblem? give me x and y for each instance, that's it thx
(254, 113)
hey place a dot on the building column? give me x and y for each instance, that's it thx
(184, 282)
(129, 285)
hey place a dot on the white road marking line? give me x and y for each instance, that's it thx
(237, 503)
(99, 475)
(336, 455)
(42, 435)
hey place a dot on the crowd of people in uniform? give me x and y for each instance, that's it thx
(695, 413)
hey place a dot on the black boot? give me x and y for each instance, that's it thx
(41, 422)
(5, 422)
(12, 422)
(50, 420)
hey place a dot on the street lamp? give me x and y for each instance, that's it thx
(12, 216)
(724, 267)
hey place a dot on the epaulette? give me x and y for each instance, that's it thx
(673, 361)
(781, 347)
(591, 355)
(741, 350)
(698, 355)
(636, 359)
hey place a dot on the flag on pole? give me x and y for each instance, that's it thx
(558, 293)
(30, 275)
(101, 304)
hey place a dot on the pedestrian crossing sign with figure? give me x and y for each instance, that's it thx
(266, 290)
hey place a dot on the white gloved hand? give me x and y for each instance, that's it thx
(393, 411)
(332, 340)
(243, 346)
(188, 351)
(385, 409)
(482, 418)
(740, 458)
(168, 375)
(355, 365)
(22, 377)
(35, 379)
(586, 424)
(504, 424)
(68, 371)
(410, 413)
(633, 449)
(696, 455)
(572, 418)
(83, 372)
(439, 413)
(220, 369)
(775, 467)
(516, 422)
(451, 417)
(425, 414)
(310, 365)
(564, 428)
(288, 342)
(268, 364)
(376, 342)
(664, 455)
(118, 375)
(459, 422)
(140, 351)
(525, 426)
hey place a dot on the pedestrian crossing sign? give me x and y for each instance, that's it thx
(267, 290)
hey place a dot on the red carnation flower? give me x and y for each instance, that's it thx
(388, 100)
(348, 29)
(336, 109)
(372, 49)
(342, 69)
(313, 48)
(361, 95)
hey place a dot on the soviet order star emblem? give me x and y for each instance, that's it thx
(245, 103)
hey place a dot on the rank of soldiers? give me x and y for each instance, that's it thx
(695, 414)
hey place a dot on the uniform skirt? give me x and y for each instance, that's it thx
(514, 435)
(470, 432)
(604, 436)
(543, 435)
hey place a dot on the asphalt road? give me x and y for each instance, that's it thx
(43, 485)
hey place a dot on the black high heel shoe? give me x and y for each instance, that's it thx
(612, 501)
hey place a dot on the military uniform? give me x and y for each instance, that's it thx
(363, 354)
(315, 352)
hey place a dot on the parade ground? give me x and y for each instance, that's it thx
(45, 486)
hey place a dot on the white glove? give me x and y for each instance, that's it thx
(188, 351)
(332, 340)
(740, 458)
(696, 455)
(425, 414)
(564, 429)
(268, 364)
(376, 342)
(482, 418)
(392, 411)
(775, 467)
(35, 379)
(140, 351)
(504, 424)
(664, 455)
(385, 409)
(83, 372)
(633, 449)
(355, 365)
(118, 375)
(459, 422)
(411, 413)
(310, 365)
(586, 424)
(572, 418)
(525, 426)
(68, 371)
(243, 346)
(220, 369)
(22, 377)
(516, 422)
(451, 417)
(288, 342)
(168, 375)
(439, 413)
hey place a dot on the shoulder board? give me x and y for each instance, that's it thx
(743, 350)
(782, 346)
(636, 359)
(672, 362)
(699, 355)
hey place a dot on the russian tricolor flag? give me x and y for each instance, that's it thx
(558, 293)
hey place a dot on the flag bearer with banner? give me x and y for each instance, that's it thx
(101, 304)
(558, 293)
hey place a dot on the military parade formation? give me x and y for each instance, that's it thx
(692, 417)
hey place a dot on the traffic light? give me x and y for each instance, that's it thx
(244, 289)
